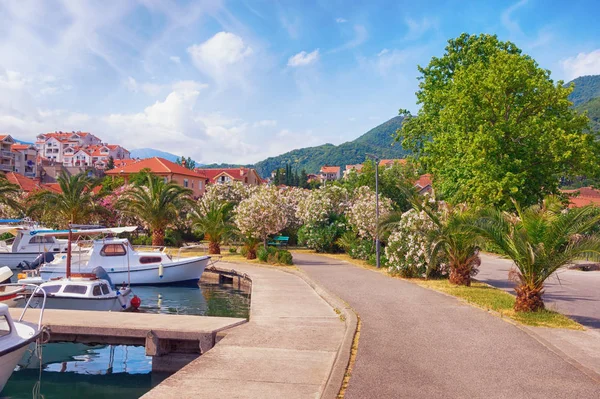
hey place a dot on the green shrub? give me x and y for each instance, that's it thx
(232, 250)
(141, 240)
(244, 251)
(284, 257)
(263, 254)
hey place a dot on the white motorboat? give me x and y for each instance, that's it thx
(124, 264)
(10, 295)
(15, 336)
(26, 247)
(85, 292)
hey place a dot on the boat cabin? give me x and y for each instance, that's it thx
(113, 253)
(78, 288)
(26, 242)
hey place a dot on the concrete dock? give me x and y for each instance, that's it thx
(172, 340)
(294, 346)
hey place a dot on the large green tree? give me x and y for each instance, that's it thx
(156, 203)
(215, 221)
(494, 126)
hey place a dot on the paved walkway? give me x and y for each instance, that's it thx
(417, 343)
(572, 292)
(286, 350)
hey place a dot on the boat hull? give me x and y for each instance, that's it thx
(184, 272)
(12, 259)
(8, 362)
(70, 303)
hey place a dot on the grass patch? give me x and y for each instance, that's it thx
(490, 298)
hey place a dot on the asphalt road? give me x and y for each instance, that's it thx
(571, 292)
(417, 343)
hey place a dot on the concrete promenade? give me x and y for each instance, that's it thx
(417, 343)
(289, 349)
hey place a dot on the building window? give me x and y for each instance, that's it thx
(185, 182)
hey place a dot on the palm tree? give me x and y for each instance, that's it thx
(76, 203)
(214, 220)
(155, 202)
(539, 240)
(453, 238)
(8, 193)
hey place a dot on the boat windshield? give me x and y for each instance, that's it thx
(4, 326)
(75, 289)
(52, 289)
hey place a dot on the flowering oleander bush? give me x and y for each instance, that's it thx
(408, 245)
(361, 214)
(234, 192)
(292, 198)
(262, 214)
(318, 205)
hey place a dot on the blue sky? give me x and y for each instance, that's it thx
(242, 80)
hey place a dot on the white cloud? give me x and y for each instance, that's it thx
(360, 36)
(155, 89)
(341, 20)
(265, 123)
(220, 56)
(511, 25)
(416, 28)
(303, 58)
(382, 52)
(175, 59)
(581, 65)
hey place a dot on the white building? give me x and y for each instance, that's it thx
(7, 157)
(78, 149)
(25, 159)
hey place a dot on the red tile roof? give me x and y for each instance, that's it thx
(583, 196)
(159, 166)
(390, 162)
(330, 169)
(235, 173)
(20, 147)
(423, 181)
(30, 185)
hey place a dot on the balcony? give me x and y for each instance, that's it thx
(6, 168)
(6, 154)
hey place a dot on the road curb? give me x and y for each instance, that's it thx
(338, 371)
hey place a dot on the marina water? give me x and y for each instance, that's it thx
(109, 371)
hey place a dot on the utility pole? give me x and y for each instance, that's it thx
(377, 246)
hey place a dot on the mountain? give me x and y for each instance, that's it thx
(593, 109)
(586, 89)
(586, 97)
(151, 152)
(377, 141)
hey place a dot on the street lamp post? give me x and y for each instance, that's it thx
(377, 246)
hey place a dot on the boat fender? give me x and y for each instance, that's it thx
(122, 300)
(160, 270)
(159, 302)
(136, 302)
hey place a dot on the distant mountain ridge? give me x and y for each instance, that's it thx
(586, 97)
(151, 152)
(378, 141)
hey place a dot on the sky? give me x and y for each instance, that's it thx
(239, 81)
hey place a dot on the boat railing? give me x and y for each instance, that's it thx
(191, 248)
(149, 248)
(36, 289)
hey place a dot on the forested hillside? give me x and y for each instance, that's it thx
(586, 97)
(378, 141)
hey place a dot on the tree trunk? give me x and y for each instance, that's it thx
(251, 254)
(460, 274)
(214, 248)
(158, 237)
(265, 243)
(529, 299)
